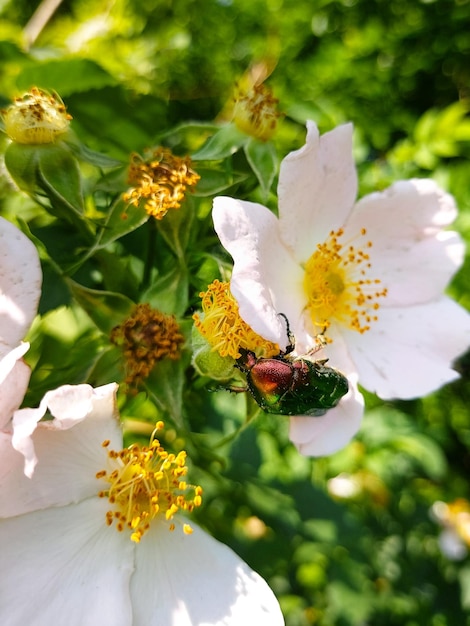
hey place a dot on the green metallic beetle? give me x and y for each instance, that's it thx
(287, 385)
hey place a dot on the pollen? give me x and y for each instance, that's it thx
(339, 286)
(147, 336)
(223, 327)
(37, 117)
(255, 112)
(145, 484)
(159, 180)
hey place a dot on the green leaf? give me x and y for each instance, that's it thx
(175, 227)
(169, 292)
(166, 384)
(214, 181)
(66, 76)
(221, 145)
(121, 220)
(59, 176)
(105, 308)
(263, 161)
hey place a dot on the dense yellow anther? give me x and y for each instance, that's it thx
(37, 117)
(144, 483)
(338, 286)
(146, 337)
(223, 327)
(255, 112)
(160, 179)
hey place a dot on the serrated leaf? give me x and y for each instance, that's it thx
(120, 221)
(166, 384)
(175, 227)
(105, 308)
(263, 161)
(59, 176)
(169, 293)
(223, 144)
(213, 181)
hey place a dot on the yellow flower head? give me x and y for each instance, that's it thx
(160, 179)
(37, 117)
(146, 483)
(224, 329)
(147, 336)
(255, 112)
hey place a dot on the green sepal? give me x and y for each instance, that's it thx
(208, 362)
(50, 170)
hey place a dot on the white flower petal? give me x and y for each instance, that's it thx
(14, 379)
(20, 283)
(408, 352)
(193, 580)
(68, 460)
(324, 435)
(451, 545)
(249, 232)
(411, 256)
(69, 405)
(65, 566)
(317, 189)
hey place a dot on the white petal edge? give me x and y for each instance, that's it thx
(69, 405)
(325, 435)
(266, 280)
(65, 566)
(317, 189)
(193, 580)
(20, 283)
(67, 462)
(410, 253)
(408, 352)
(14, 379)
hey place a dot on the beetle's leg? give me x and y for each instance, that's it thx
(291, 345)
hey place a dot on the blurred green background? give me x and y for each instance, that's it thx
(400, 70)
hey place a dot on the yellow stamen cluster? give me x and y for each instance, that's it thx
(338, 286)
(147, 336)
(223, 327)
(37, 117)
(144, 483)
(255, 112)
(160, 179)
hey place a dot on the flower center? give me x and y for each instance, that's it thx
(338, 285)
(223, 327)
(160, 178)
(36, 118)
(147, 336)
(146, 482)
(255, 112)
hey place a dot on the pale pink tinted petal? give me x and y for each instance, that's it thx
(265, 280)
(69, 405)
(20, 283)
(411, 256)
(317, 189)
(14, 379)
(193, 580)
(67, 463)
(409, 352)
(64, 566)
(321, 436)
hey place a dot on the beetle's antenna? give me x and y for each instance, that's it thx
(291, 345)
